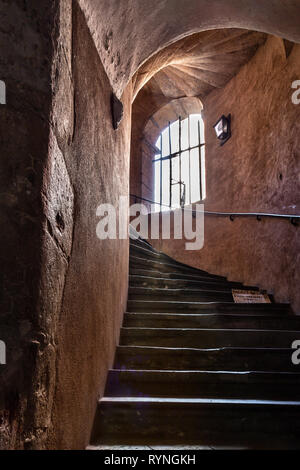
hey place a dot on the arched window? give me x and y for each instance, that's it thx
(179, 176)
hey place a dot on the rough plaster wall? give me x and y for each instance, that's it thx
(127, 33)
(63, 292)
(95, 291)
(143, 108)
(244, 175)
(27, 37)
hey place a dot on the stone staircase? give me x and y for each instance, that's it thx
(194, 369)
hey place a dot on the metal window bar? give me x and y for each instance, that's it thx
(200, 162)
(170, 153)
(183, 197)
(160, 170)
(190, 178)
(175, 154)
(179, 136)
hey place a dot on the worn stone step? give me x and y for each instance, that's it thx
(173, 275)
(221, 359)
(223, 321)
(144, 263)
(147, 254)
(207, 338)
(160, 306)
(122, 420)
(165, 283)
(214, 384)
(196, 295)
(139, 242)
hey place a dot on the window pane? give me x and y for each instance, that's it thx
(157, 184)
(165, 142)
(175, 136)
(165, 183)
(194, 119)
(184, 134)
(175, 180)
(185, 174)
(195, 186)
(203, 176)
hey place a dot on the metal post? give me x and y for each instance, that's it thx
(170, 145)
(160, 169)
(179, 146)
(189, 137)
(200, 163)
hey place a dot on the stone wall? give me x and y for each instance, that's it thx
(95, 290)
(63, 291)
(27, 39)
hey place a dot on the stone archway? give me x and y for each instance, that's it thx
(143, 149)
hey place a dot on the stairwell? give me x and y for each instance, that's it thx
(194, 369)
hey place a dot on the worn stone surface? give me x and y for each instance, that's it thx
(128, 33)
(61, 158)
(27, 38)
(256, 170)
(95, 290)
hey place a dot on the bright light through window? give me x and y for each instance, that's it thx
(180, 165)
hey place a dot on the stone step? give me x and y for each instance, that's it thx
(195, 295)
(207, 338)
(143, 251)
(221, 359)
(147, 254)
(165, 283)
(223, 321)
(258, 424)
(139, 242)
(216, 384)
(160, 306)
(173, 275)
(144, 263)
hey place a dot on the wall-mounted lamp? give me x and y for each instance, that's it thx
(223, 128)
(116, 111)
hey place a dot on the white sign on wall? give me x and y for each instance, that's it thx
(250, 297)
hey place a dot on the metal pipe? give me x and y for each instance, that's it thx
(170, 148)
(160, 169)
(232, 215)
(179, 160)
(189, 137)
(200, 163)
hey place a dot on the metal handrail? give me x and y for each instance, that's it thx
(232, 215)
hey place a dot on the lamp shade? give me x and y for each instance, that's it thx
(222, 128)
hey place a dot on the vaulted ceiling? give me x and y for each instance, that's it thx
(198, 64)
(127, 33)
